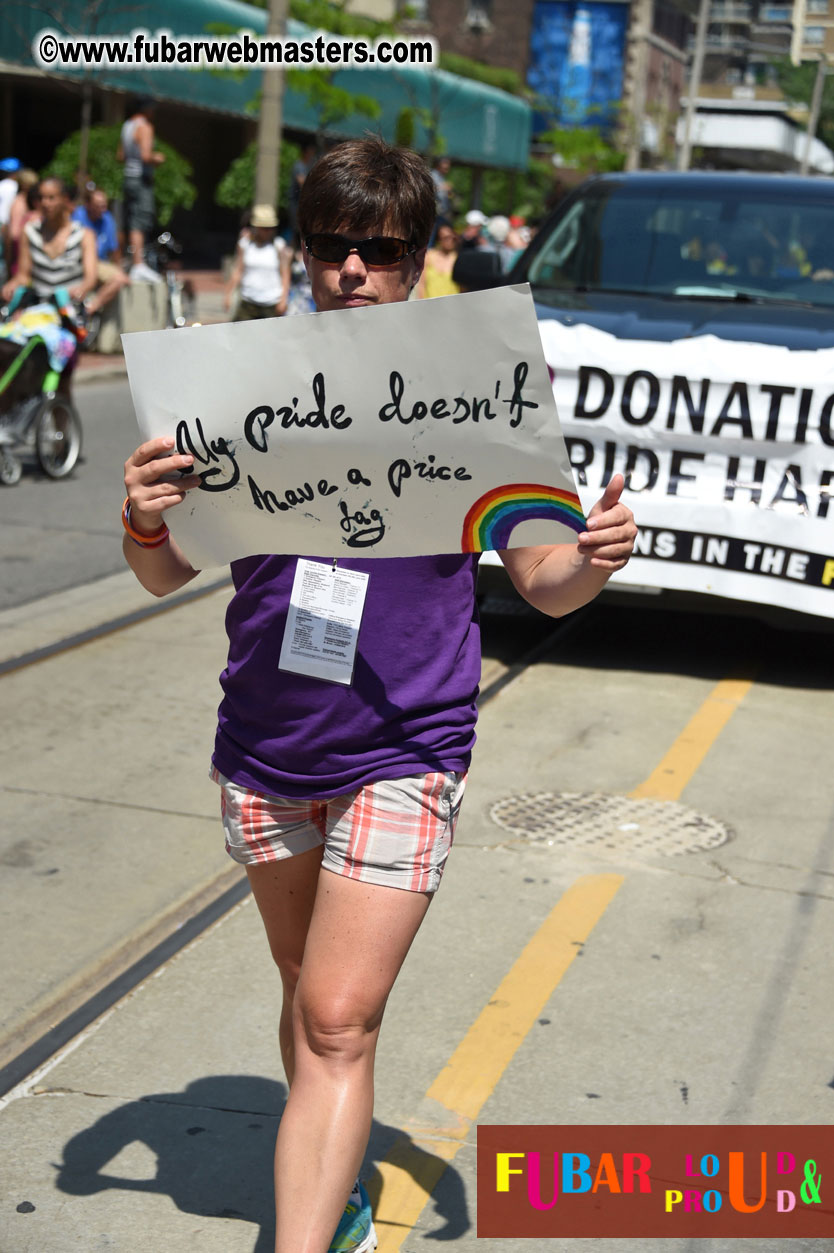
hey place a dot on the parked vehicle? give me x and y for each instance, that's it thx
(688, 323)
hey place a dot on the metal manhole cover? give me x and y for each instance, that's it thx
(584, 819)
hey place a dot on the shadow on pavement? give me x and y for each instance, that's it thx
(213, 1148)
(650, 639)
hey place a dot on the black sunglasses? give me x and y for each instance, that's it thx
(377, 250)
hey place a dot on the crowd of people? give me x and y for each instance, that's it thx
(54, 236)
(480, 253)
(468, 251)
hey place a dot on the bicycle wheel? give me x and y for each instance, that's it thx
(57, 437)
(11, 469)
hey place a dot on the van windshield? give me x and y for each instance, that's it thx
(719, 245)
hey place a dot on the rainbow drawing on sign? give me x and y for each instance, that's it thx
(493, 518)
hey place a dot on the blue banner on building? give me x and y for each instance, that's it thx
(576, 62)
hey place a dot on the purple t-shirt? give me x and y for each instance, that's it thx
(411, 707)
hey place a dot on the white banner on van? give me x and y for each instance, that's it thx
(727, 451)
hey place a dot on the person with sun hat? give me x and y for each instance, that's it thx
(261, 269)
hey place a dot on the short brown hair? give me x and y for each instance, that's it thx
(366, 185)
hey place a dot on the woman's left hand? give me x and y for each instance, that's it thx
(609, 539)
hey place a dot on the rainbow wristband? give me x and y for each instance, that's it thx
(144, 541)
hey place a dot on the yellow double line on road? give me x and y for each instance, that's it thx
(417, 1160)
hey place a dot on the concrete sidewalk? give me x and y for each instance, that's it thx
(696, 1000)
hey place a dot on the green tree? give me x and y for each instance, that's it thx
(405, 128)
(489, 75)
(330, 104)
(236, 189)
(583, 148)
(506, 191)
(797, 85)
(173, 188)
(80, 18)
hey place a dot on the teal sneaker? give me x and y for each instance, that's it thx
(355, 1233)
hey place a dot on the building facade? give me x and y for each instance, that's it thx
(813, 27)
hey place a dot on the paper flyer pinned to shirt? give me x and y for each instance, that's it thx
(397, 430)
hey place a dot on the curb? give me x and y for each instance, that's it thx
(105, 370)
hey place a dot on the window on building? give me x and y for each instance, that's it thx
(671, 25)
(814, 35)
(775, 13)
(818, 6)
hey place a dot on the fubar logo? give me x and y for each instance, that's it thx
(651, 1181)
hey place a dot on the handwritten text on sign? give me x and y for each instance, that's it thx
(392, 431)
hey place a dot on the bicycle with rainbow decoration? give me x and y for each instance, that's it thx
(38, 346)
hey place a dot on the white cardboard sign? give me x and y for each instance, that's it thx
(392, 431)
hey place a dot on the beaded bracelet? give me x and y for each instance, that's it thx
(144, 541)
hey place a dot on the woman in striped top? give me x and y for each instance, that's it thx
(55, 251)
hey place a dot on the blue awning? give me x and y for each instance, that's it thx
(480, 125)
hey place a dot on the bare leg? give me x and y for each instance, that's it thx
(106, 292)
(285, 892)
(137, 246)
(357, 938)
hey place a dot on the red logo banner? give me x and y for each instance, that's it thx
(546, 1182)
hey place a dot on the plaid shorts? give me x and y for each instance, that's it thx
(393, 832)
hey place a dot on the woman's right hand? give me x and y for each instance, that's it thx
(148, 492)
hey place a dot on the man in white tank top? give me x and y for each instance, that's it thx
(136, 150)
(261, 269)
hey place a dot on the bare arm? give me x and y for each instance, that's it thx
(89, 261)
(285, 265)
(234, 278)
(144, 136)
(17, 219)
(164, 569)
(23, 278)
(559, 578)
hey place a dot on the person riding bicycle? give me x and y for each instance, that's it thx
(57, 255)
(55, 251)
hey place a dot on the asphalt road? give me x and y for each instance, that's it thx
(56, 535)
(700, 997)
